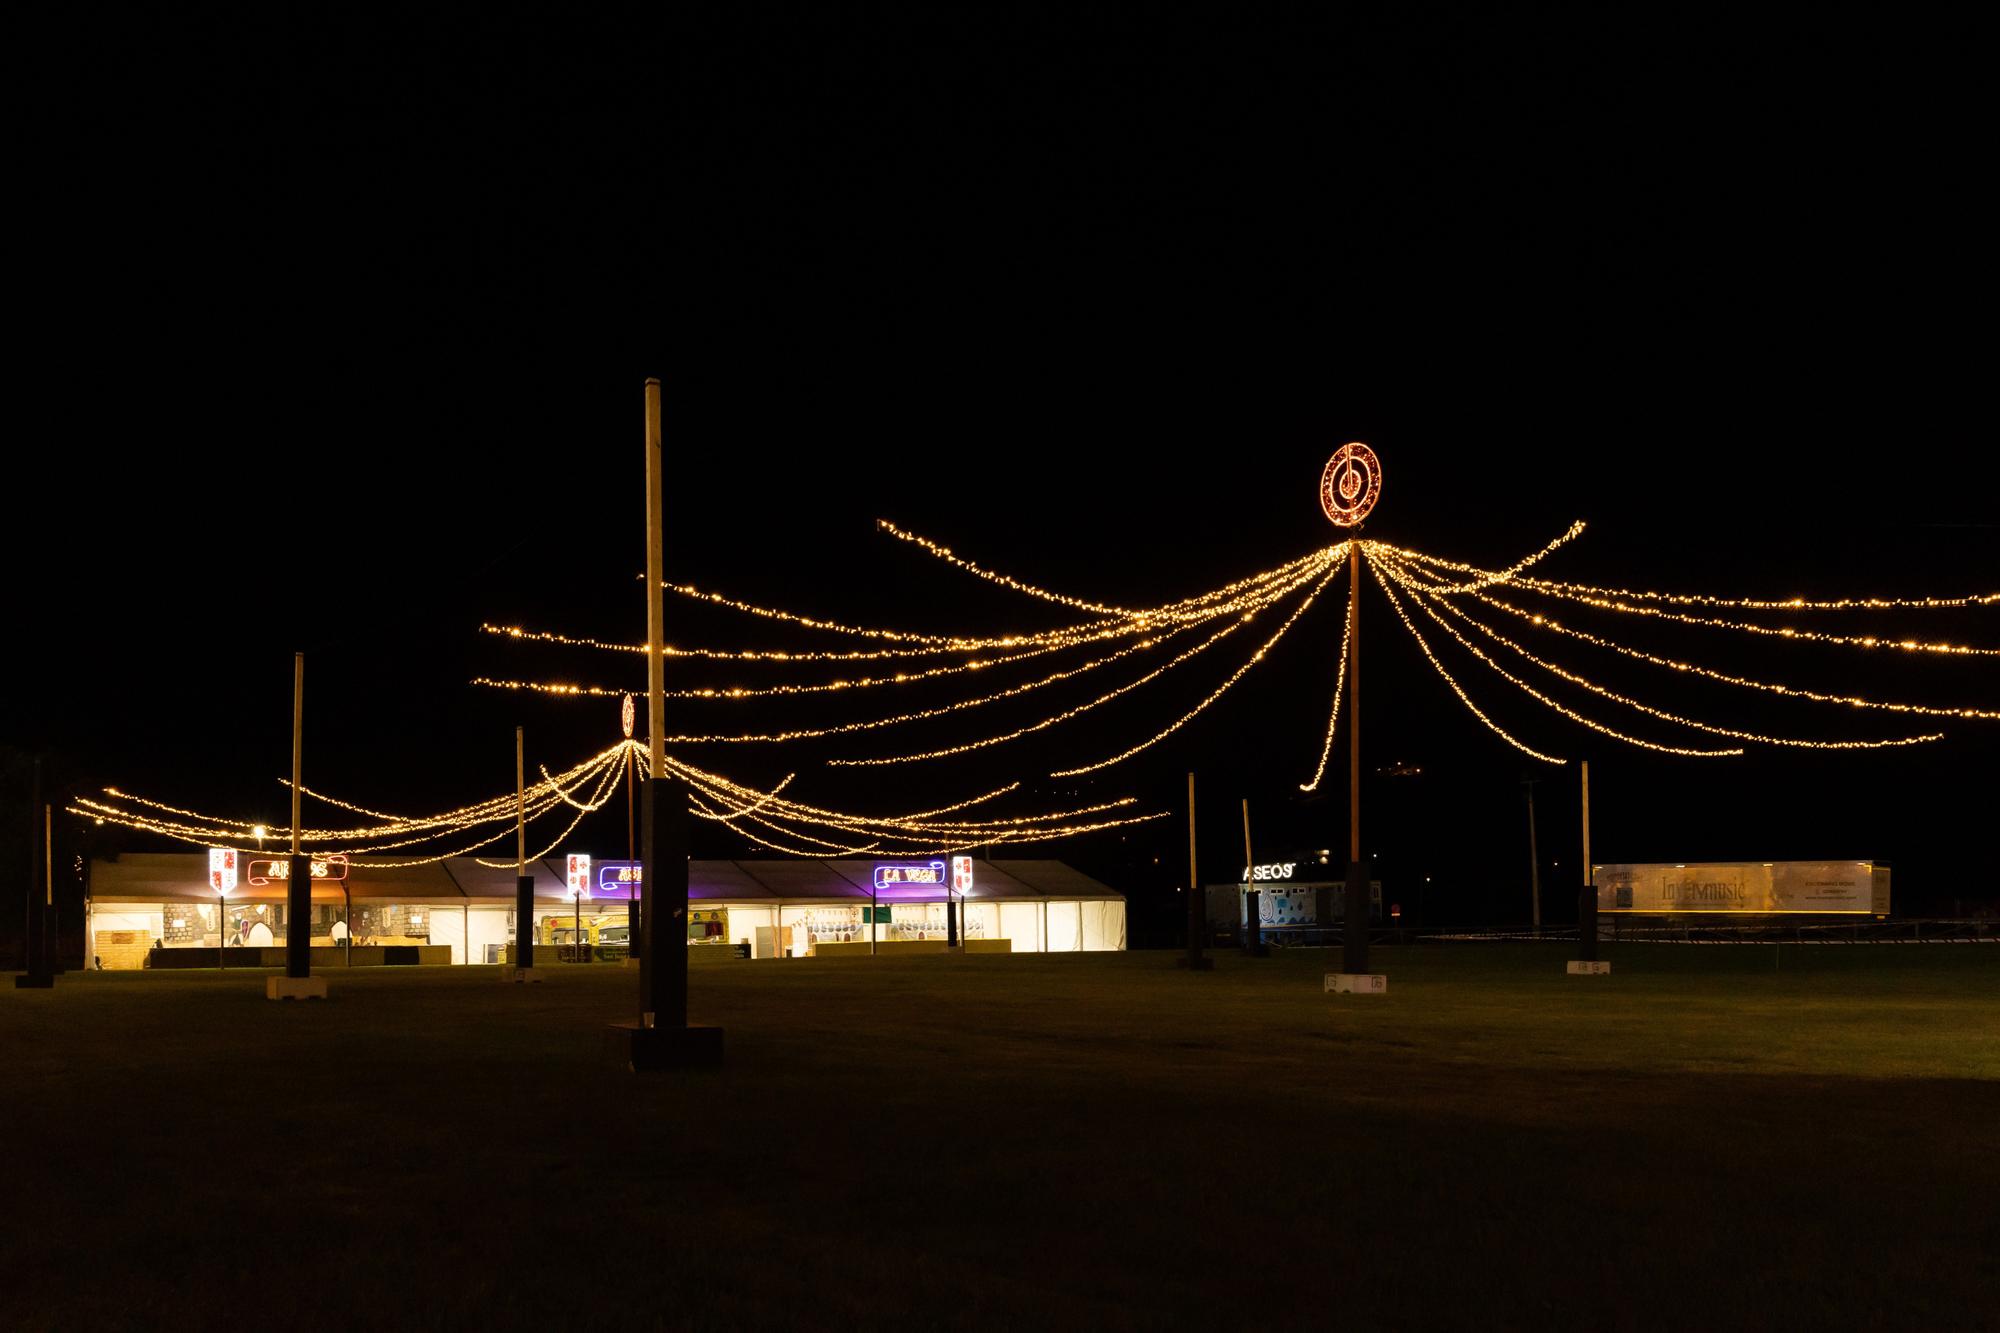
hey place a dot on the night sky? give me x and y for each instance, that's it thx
(344, 323)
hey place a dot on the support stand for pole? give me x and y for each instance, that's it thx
(1586, 963)
(1253, 925)
(663, 1038)
(524, 971)
(298, 983)
(40, 976)
(1355, 978)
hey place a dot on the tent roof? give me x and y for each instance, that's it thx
(183, 876)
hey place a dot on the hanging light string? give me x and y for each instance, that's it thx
(1074, 603)
(1386, 570)
(872, 724)
(1745, 627)
(918, 715)
(1219, 691)
(1483, 578)
(1692, 668)
(1620, 601)
(1428, 596)
(209, 830)
(606, 785)
(1396, 605)
(923, 827)
(1054, 719)
(763, 691)
(1333, 714)
(1786, 604)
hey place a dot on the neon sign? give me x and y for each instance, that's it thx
(618, 879)
(930, 872)
(323, 867)
(1275, 870)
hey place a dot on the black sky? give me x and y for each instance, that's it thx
(1088, 298)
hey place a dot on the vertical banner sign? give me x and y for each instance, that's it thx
(221, 869)
(961, 875)
(579, 875)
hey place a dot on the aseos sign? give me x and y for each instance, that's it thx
(1276, 870)
(323, 867)
(221, 869)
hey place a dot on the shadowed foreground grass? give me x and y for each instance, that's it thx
(1709, 1137)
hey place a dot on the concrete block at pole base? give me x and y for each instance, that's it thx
(522, 976)
(1582, 968)
(1356, 983)
(646, 1049)
(35, 981)
(295, 988)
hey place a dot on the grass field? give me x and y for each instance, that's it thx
(1710, 1137)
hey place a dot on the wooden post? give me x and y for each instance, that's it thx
(1253, 926)
(298, 882)
(1586, 913)
(1196, 917)
(1354, 930)
(524, 883)
(1534, 862)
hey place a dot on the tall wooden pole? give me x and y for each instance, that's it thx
(1354, 929)
(524, 883)
(298, 872)
(37, 972)
(1586, 907)
(1534, 862)
(1253, 923)
(1195, 960)
(664, 832)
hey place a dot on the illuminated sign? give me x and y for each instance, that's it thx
(579, 875)
(625, 716)
(1348, 487)
(1275, 870)
(221, 869)
(323, 867)
(929, 872)
(961, 874)
(617, 879)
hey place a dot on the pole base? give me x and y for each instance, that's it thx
(649, 1049)
(295, 988)
(1355, 983)
(1195, 964)
(522, 976)
(35, 981)
(1256, 951)
(1577, 968)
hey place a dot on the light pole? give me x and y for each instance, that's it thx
(1534, 859)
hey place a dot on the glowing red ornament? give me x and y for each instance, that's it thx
(1350, 485)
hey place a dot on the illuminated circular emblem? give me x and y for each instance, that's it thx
(625, 716)
(1350, 485)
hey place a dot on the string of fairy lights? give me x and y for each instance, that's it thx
(1446, 606)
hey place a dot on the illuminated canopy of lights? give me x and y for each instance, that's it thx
(1445, 594)
(1454, 599)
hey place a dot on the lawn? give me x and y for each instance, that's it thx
(1710, 1137)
